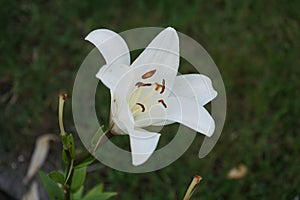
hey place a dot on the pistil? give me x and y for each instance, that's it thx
(142, 105)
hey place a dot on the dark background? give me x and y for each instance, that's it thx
(255, 45)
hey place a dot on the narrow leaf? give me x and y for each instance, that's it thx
(64, 139)
(71, 145)
(53, 190)
(78, 178)
(57, 177)
(65, 157)
(96, 193)
(85, 162)
(99, 196)
(78, 195)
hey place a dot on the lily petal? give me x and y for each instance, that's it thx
(156, 116)
(115, 52)
(194, 86)
(161, 56)
(123, 119)
(182, 110)
(191, 115)
(143, 144)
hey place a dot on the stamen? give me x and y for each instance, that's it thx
(149, 74)
(162, 86)
(162, 102)
(142, 106)
(134, 97)
(139, 84)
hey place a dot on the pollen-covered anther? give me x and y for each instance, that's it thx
(142, 106)
(160, 86)
(149, 74)
(163, 103)
(140, 84)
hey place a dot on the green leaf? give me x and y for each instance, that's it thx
(53, 190)
(64, 140)
(99, 196)
(85, 162)
(78, 178)
(97, 193)
(65, 157)
(68, 144)
(71, 144)
(77, 195)
(57, 177)
(99, 187)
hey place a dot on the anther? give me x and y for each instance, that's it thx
(160, 86)
(162, 102)
(139, 84)
(142, 106)
(148, 74)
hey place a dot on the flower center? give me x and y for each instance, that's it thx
(147, 95)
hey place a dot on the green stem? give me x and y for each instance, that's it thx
(68, 148)
(70, 169)
(69, 181)
(69, 172)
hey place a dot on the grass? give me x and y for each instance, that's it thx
(255, 44)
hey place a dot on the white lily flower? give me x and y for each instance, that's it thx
(148, 92)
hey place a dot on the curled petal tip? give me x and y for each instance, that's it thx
(170, 28)
(211, 129)
(139, 159)
(171, 31)
(212, 92)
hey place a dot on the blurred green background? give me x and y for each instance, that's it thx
(255, 44)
